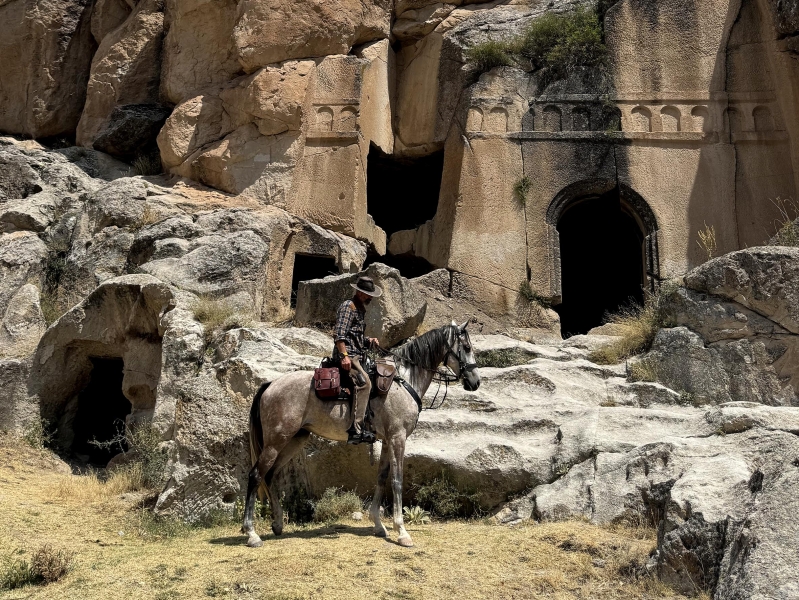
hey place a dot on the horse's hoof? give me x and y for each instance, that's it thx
(255, 542)
(277, 529)
(381, 533)
(405, 541)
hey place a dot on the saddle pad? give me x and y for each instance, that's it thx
(327, 382)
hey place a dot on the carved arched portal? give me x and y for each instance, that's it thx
(603, 244)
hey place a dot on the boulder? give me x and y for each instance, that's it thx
(107, 15)
(22, 324)
(391, 318)
(18, 411)
(125, 71)
(764, 279)
(277, 30)
(131, 130)
(46, 52)
(34, 213)
(17, 178)
(22, 257)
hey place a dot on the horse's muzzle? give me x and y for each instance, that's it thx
(470, 387)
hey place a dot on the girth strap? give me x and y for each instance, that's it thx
(411, 391)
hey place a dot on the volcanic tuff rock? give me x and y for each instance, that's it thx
(391, 318)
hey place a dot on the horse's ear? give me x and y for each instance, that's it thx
(465, 324)
(454, 324)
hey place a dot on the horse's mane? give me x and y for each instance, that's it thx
(424, 351)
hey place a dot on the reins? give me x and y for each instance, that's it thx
(445, 376)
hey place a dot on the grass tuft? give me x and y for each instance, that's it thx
(642, 370)
(148, 163)
(336, 504)
(218, 315)
(638, 325)
(502, 358)
(786, 225)
(707, 240)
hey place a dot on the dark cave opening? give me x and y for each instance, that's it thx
(102, 409)
(602, 261)
(402, 193)
(310, 266)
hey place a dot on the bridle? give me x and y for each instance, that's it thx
(463, 366)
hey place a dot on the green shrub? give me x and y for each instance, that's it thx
(415, 515)
(520, 190)
(38, 434)
(47, 565)
(487, 55)
(336, 504)
(786, 225)
(555, 44)
(444, 499)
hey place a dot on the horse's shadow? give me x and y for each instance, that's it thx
(323, 532)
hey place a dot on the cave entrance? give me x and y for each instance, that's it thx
(310, 266)
(408, 265)
(101, 412)
(603, 259)
(402, 193)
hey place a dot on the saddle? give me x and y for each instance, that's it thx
(330, 381)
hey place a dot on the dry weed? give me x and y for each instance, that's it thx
(642, 370)
(786, 225)
(707, 240)
(219, 315)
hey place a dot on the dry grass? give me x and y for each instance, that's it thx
(638, 326)
(707, 240)
(642, 370)
(219, 314)
(786, 225)
(92, 488)
(470, 559)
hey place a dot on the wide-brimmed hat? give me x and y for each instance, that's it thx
(368, 287)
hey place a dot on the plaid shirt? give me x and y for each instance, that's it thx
(350, 325)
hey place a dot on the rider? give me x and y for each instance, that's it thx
(350, 348)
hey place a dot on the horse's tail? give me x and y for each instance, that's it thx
(257, 433)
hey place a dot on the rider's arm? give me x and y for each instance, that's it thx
(344, 319)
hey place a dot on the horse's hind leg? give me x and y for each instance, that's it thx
(289, 451)
(397, 455)
(382, 476)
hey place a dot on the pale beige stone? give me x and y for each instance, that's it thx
(276, 30)
(46, 48)
(199, 50)
(125, 69)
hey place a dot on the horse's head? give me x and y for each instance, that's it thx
(461, 359)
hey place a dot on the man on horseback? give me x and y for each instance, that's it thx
(350, 349)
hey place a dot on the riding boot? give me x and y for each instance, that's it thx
(363, 387)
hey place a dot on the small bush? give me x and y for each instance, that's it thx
(484, 57)
(707, 240)
(50, 565)
(444, 499)
(336, 504)
(47, 565)
(415, 515)
(160, 527)
(508, 357)
(562, 43)
(638, 325)
(38, 434)
(145, 441)
(520, 190)
(786, 225)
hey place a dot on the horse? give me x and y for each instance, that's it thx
(286, 412)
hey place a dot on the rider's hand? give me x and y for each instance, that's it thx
(346, 363)
(375, 342)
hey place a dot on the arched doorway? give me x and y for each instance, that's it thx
(607, 252)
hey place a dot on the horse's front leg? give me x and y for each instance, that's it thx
(397, 456)
(382, 476)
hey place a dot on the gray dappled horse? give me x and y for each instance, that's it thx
(286, 412)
